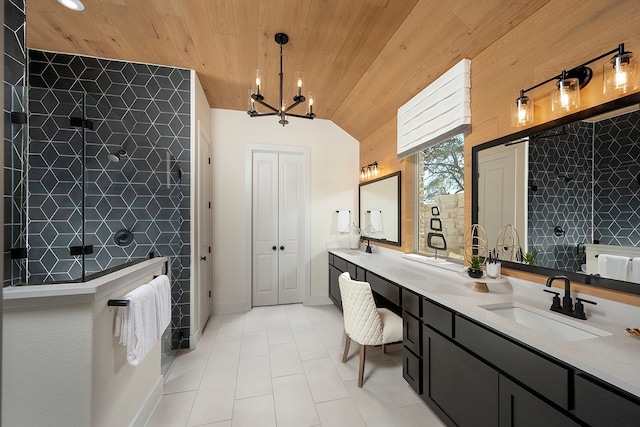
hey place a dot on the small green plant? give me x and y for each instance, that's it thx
(475, 263)
(529, 259)
(475, 267)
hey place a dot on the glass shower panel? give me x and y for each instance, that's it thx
(55, 174)
(15, 189)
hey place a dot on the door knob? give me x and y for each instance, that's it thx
(282, 248)
(274, 248)
(203, 258)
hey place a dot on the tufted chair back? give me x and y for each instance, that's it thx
(361, 319)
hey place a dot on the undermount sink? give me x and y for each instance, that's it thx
(546, 323)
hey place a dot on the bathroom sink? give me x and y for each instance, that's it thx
(546, 323)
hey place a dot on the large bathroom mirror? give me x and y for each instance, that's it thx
(571, 187)
(380, 209)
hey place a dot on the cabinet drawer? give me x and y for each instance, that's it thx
(411, 333)
(384, 288)
(546, 377)
(411, 302)
(597, 405)
(340, 264)
(437, 317)
(412, 370)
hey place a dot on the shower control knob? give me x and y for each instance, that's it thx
(203, 258)
(274, 248)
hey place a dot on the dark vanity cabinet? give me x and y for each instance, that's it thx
(472, 375)
(337, 266)
(412, 340)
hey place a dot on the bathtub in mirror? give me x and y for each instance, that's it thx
(578, 187)
(379, 210)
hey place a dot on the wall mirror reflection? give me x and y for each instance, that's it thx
(379, 210)
(572, 189)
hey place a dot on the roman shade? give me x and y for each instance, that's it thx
(441, 111)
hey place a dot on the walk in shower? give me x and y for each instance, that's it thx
(90, 191)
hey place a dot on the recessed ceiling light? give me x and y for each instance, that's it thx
(72, 4)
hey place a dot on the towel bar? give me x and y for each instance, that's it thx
(339, 211)
(118, 303)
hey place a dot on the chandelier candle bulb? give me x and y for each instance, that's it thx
(298, 78)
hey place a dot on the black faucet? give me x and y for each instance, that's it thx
(368, 248)
(566, 307)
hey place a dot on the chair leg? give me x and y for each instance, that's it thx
(384, 348)
(347, 341)
(363, 352)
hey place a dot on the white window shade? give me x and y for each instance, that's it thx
(441, 111)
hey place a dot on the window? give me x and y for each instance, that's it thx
(440, 199)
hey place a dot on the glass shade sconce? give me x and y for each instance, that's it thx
(620, 76)
(369, 172)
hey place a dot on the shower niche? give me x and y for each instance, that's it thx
(91, 191)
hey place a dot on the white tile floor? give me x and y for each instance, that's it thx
(280, 366)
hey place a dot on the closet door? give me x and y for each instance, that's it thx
(265, 229)
(290, 219)
(277, 211)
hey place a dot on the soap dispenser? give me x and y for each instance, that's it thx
(354, 236)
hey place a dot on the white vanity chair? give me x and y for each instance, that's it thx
(365, 323)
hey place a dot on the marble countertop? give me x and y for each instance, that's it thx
(614, 358)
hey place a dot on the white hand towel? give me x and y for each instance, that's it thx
(613, 266)
(375, 219)
(141, 326)
(342, 222)
(634, 274)
(162, 290)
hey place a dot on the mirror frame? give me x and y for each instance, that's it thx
(600, 282)
(399, 190)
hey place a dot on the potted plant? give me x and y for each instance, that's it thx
(529, 258)
(475, 268)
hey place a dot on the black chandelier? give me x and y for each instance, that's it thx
(283, 110)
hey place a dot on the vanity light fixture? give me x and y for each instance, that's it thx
(620, 74)
(282, 110)
(369, 171)
(72, 4)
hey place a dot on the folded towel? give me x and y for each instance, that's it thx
(342, 222)
(634, 274)
(139, 330)
(375, 218)
(162, 291)
(613, 266)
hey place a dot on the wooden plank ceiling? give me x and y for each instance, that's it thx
(362, 58)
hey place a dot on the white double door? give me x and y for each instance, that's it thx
(277, 221)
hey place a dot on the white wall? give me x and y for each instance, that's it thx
(334, 175)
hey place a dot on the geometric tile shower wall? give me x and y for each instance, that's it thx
(139, 108)
(617, 180)
(14, 79)
(560, 167)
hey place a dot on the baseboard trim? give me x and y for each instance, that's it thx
(320, 300)
(194, 340)
(150, 403)
(230, 308)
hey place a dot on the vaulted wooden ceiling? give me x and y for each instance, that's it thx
(362, 58)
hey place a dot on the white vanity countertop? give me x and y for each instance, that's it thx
(79, 292)
(614, 358)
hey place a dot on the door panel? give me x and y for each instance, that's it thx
(265, 229)
(204, 230)
(500, 172)
(290, 215)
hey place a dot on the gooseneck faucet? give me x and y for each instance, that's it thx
(567, 303)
